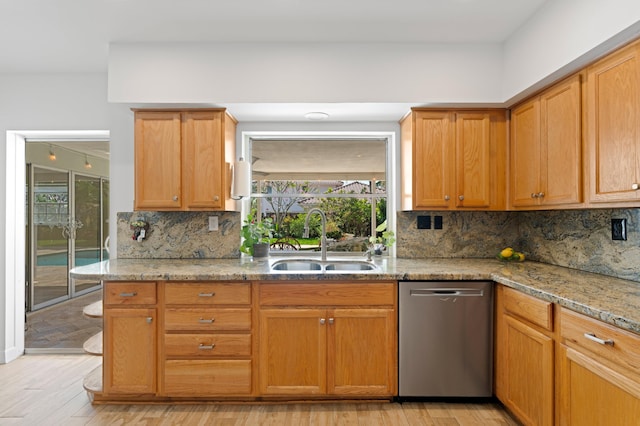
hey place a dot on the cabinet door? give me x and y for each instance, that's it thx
(594, 394)
(525, 154)
(433, 160)
(293, 351)
(362, 352)
(129, 351)
(158, 171)
(561, 144)
(473, 147)
(613, 112)
(203, 159)
(527, 376)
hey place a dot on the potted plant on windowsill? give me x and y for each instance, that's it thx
(380, 243)
(256, 236)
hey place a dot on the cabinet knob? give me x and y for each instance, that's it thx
(331, 320)
(461, 197)
(175, 198)
(149, 320)
(446, 198)
(322, 321)
(216, 198)
(534, 195)
(540, 194)
(635, 186)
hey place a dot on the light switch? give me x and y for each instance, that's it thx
(213, 223)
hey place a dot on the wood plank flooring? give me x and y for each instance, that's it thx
(47, 390)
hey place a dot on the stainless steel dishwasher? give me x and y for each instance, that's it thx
(445, 339)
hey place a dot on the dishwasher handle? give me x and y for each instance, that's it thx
(439, 292)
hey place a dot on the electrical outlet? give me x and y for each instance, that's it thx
(619, 229)
(213, 223)
(424, 222)
(437, 222)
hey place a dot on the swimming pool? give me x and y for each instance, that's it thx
(83, 257)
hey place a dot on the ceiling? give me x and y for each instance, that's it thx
(71, 35)
(74, 36)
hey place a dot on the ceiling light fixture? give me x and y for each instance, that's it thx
(52, 155)
(87, 164)
(316, 116)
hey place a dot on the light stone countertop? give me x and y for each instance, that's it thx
(608, 299)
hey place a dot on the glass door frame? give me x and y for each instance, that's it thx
(31, 260)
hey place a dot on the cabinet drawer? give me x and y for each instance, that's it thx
(207, 319)
(536, 311)
(207, 345)
(622, 348)
(207, 294)
(130, 293)
(323, 294)
(207, 377)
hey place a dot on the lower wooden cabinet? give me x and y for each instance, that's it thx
(130, 332)
(310, 348)
(599, 373)
(206, 348)
(525, 356)
(183, 341)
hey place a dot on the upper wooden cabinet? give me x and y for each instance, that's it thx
(546, 148)
(453, 160)
(613, 127)
(182, 159)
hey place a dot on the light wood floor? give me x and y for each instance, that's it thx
(47, 390)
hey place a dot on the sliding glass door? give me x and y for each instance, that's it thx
(66, 226)
(49, 201)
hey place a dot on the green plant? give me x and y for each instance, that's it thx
(255, 231)
(387, 238)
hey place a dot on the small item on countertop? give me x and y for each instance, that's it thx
(510, 254)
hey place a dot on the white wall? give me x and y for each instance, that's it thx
(34, 102)
(562, 37)
(296, 72)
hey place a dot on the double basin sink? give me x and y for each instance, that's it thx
(318, 266)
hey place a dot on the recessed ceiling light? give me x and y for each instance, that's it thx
(316, 116)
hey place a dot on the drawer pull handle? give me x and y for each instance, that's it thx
(206, 321)
(206, 294)
(593, 337)
(204, 347)
(132, 294)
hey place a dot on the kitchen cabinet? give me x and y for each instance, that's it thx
(600, 383)
(182, 159)
(129, 338)
(613, 128)
(453, 160)
(546, 148)
(524, 362)
(206, 340)
(328, 339)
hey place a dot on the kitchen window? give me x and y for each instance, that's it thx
(344, 177)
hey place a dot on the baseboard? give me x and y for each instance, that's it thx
(53, 351)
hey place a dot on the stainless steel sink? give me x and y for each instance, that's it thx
(350, 265)
(317, 266)
(297, 265)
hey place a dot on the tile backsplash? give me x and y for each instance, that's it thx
(180, 235)
(579, 239)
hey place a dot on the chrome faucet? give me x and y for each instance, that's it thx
(323, 240)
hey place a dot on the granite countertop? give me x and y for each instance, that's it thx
(612, 300)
